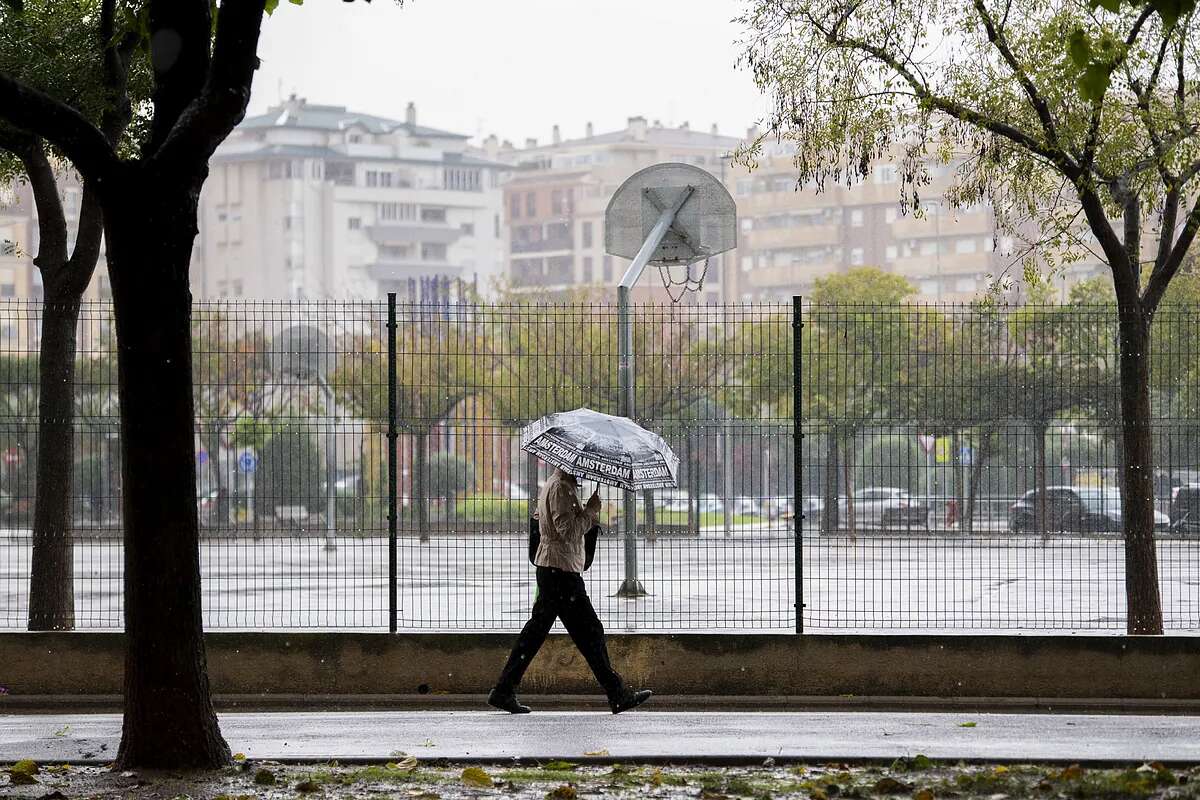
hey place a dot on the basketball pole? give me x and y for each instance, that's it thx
(632, 587)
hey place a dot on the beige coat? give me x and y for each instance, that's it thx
(562, 525)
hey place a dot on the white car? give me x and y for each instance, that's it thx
(885, 507)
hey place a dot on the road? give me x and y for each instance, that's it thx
(713, 735)
(743, 582)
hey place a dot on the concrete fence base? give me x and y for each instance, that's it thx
(357, 664)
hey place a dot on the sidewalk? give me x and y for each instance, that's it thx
(713, 737)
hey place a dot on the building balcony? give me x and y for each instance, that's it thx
(943, 265)
(544, 245)
(774, 238)
(405, 270)
(909, 227)
(409, 233)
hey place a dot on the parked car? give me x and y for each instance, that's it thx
(1074, 509)
(746, 507)
(885, 507)
(1185, 509)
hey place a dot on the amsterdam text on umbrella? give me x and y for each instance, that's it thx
(600, 447)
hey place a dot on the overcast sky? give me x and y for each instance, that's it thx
(514, 67)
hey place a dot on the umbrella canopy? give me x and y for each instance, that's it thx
(600, 447)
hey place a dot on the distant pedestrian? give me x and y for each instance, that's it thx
(565, 530)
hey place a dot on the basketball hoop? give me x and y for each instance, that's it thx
(677, 289)
(668, 215)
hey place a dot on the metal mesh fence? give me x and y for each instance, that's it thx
(961, 468)
(292, 432)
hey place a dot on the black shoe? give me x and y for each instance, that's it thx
(507, 701)
(629, 699)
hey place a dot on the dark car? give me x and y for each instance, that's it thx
(1074, 509)
(1185, 510)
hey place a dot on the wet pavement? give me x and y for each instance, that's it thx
(644, 735)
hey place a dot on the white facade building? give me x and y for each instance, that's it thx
(311, 201)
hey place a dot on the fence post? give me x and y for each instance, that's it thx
(798, 461)
(392, 436)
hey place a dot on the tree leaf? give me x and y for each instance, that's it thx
(264, 777)
(1079, 48)
(1094, 82)
(474, 776)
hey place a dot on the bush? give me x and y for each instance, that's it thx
(485, 508)
(449, 476)
(290, 473)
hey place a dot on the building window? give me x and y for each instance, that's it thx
(856, 256)
(372, 178)
(395, 251)
(587, 269)
(745, 186)
(468, 228)
(856, 217)
(560, 269)
(316, 170)
(385, 179)
(530, 204)
(496, 225)
(890, 253)
(340, 172)
(354, 223)
(964, 285)
(514, 206)
(608, 269)
(747, 224)
(275, 170)
(963, 246)
(890, 215)
(7, 247)
(885, 173)
(8, 290)
(460, 179)
(433, 214)
(433, 251)
(397, 211)
(587, 234)
(747, 263)
(355, 138)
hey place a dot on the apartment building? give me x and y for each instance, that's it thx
(791, 237)
(317, 201)
(556, 193)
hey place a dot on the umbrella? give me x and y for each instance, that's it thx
(600, 447)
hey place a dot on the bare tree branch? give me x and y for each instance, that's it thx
(222, 104)
(1163, 272)
(31, 110)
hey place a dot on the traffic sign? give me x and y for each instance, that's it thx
(247, 462)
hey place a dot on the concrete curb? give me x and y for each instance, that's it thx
(59, 704)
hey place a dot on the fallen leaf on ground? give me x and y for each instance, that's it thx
(1071, 773)
(25, 766)
(656, 778)
(20, 778)
(307, 787)
(474, 776)
(891, 786)
(966, 724)
(63, 731)
(923, 794)
(559, 766)
(239, 756)
(406, 764)
(564, 792)
(264, 777)
(596, 753)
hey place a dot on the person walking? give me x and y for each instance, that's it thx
(564, 529)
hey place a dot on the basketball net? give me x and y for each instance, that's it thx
(676, 289)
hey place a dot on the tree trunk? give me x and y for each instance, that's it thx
(829, 505)
(52, 568)
(531, 481)
(982, 454)
(848, 480)
(420, 491)
(1039, 478)
(693, 469)
(651, 530)
(1144, 604)
(150, 224)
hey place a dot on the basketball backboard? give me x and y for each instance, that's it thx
(706, 223)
